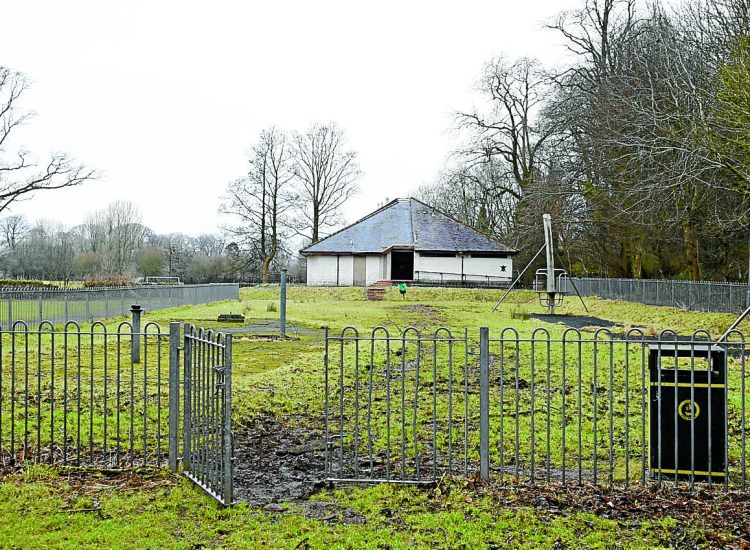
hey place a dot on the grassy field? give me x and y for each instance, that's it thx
(53, 507)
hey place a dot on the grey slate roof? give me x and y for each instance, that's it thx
(407, 223)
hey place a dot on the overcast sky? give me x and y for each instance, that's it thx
(165, 98)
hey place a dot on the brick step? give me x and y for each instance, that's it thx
(376, 292)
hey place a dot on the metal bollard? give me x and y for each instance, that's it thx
(135, 338)
(282, 308)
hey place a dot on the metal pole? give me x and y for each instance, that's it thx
(135, 337)
(734, 325)
(228, 472)
(484, 403)
(551, 286)
(282, 309)
(187, 380)
(174, 392)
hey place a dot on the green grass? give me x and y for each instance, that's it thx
(41, 507)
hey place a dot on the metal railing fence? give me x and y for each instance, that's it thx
(600, 408)
(88, 305)
(75, 396)
(119, 398)
(692, 295)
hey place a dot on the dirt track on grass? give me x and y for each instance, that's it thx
(274, 463)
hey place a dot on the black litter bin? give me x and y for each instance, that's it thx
(697, 413)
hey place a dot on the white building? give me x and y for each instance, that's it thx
(407, 240)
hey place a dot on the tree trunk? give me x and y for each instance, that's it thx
(315, 223)
(637, 259)
(266, 267)
(692, 249)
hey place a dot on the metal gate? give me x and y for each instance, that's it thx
(207, 411)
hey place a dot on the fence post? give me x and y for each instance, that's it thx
(41, 315)
(282, 308)
(174, 392)
(228, 451)
(10, 310)
(135, 336)
(484, 403)
(187, 395)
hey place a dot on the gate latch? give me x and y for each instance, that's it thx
(221, 380)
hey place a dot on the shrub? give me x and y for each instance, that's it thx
(20, 283)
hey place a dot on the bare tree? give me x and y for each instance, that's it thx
(262, 199)
(13, 229)
(20, 174)
(115, 235)
(327, 173)
(477, 193)
(513, 128)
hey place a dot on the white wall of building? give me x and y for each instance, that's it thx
(449, 268)
(322, 270)
(431, 267)
(492, 267)
(374, 268)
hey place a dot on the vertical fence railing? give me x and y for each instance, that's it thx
(584, 408)
(705, 296)
(88, 305)
(397, 406)
(73, 395)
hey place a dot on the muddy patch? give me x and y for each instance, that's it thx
(269, 328)
(576, 321)
(422, 316)
(275, 463)
(425, 310)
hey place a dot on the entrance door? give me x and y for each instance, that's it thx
(360, 271)
(402, 265)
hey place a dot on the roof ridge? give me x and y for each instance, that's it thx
(406, 219)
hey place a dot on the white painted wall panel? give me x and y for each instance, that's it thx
(475, 269)
(321, 270)
(437, 269)
(374, 268)
(488, 266)
(346, 270)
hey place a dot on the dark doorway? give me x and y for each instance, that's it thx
(402, 265)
